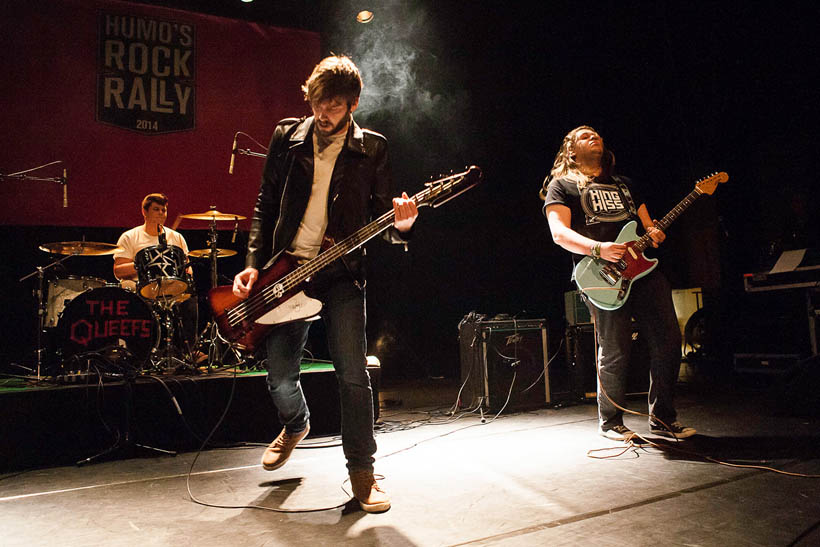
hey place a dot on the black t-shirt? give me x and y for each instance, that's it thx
(601, 209)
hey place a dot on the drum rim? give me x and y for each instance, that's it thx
(78, 277)
(184, 281)
(176, 249)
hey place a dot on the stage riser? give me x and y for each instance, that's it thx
(51, 427)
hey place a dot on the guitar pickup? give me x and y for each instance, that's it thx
(608, 276)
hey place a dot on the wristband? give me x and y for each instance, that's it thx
(595, 251)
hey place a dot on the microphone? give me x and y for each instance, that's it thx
(235, 230)
(65, 188)
(163, 241)
(233, 155)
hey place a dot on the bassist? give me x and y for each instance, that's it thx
(586, 206)
(324, 176)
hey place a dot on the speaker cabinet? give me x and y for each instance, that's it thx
(503, 363)
(580, 347)
(575, 311)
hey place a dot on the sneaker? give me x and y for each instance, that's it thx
(278, 452)
(676, 430)
(367, 492)
(617, 433)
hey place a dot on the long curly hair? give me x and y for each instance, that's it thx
(566, 166)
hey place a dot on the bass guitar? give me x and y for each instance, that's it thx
(278, 295)
(607, 284)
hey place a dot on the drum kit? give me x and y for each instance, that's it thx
(128, 325)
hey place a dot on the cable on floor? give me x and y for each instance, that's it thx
(631, 444)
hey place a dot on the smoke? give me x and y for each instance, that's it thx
(411, 83)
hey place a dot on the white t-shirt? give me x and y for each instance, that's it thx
(136, 239)
(308, 238)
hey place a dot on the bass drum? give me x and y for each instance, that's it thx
(63, 289)
(107, 321)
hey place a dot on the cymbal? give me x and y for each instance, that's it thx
(206, 253)
(213, 215)
(84, 248)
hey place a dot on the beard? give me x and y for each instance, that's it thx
(336, 128)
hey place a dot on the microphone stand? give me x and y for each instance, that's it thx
(248, 152)
(125, 442)
(244, 151)
(60, 180)
(21, 175)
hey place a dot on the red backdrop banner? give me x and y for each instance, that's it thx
(136, 99)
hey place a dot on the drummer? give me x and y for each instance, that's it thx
(155, 212)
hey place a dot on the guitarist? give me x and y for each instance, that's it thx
(586, 206)
(325, 176)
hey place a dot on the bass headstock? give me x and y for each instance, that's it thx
(439, 192)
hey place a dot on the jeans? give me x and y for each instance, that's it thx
(650, 304)
(344, 314)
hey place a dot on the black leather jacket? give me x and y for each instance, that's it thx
(360, 189)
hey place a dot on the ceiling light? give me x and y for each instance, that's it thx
(364, 16)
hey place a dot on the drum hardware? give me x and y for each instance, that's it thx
(81, 248)
(161, 270)
(212, 215)
(69, 249)
(167, 308)
(41, 309)
(210, 334)
(212, 252)
(206, 253)
(63, 289)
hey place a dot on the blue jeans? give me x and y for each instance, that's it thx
(344, 314)
(650, 304)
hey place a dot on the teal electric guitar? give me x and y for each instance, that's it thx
(607, 284)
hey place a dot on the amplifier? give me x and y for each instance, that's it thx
(580, 348)
(504, 363)
(575, 311)
(765, 363)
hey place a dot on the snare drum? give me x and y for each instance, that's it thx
(105, 318)
(60, 291)
(161, 272)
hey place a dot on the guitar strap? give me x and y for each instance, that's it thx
(630, 203)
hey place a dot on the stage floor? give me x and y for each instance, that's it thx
(521, 479)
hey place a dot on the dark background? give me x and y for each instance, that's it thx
(678, 91)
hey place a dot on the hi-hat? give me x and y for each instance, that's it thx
(213, 215)
(84, 248)
(206, 253)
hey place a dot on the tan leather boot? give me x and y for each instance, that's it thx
(366, 490)
(278, 452)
